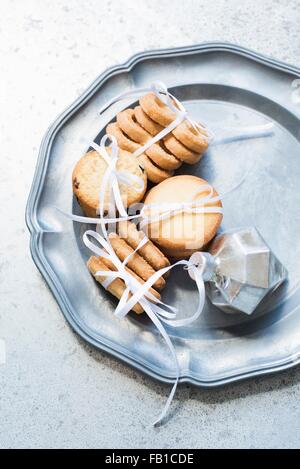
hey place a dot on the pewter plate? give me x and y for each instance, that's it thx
(222, 85)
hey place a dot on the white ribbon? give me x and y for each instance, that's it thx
(166, 210)
(111, 180)
(235, 134)
(158, 312)
(162, 211)
(161, 92)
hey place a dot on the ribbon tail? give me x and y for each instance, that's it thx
(245, 133)
(95, 221)
(163, 332)
(195, 316)
(122, 302)
(167, 405)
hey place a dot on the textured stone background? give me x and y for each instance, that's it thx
(54, 390)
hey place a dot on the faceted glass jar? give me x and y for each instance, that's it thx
(246, 271)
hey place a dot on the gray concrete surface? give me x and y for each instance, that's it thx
(54, 390)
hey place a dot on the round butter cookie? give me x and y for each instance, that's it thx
(183, 232)
(180, 151)
(150, 252)
(87, 178)
(135, 262)
(194, 139)
(122, 140)
(116, 287)
(157, 152)
(148, 124)
(154, 173)
(127, 122)
(160, 155)
(157, 110)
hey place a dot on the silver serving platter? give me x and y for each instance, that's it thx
(220, 84)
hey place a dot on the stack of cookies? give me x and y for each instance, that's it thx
(135, 127)
(141, 265)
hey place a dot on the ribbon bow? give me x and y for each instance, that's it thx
(158, 312)
(112, 177)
